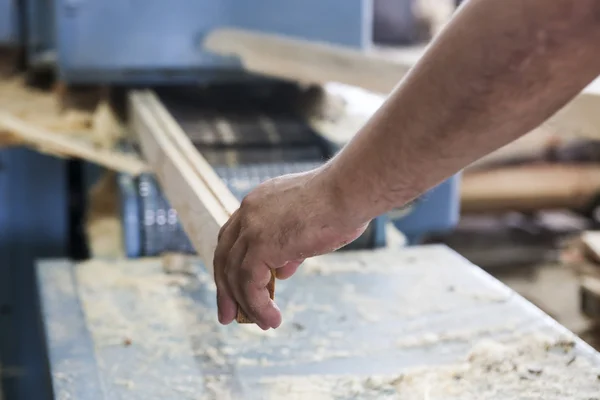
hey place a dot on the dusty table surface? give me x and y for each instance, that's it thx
(397, 323)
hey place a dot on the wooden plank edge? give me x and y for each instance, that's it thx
(185, 146)
(203, 169)
(201, 214)
(307, 61)
(529, 188)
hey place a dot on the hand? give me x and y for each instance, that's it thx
(278, 225)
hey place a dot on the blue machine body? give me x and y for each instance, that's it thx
(158, 42)
(9, 23)
(436, 211)
(34, 221)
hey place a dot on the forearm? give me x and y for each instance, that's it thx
(498, 70)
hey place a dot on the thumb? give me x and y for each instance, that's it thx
(288, 269)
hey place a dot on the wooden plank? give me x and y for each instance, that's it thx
(306, 61)
(182, 173)
(591, 244)
(529, 188)
(185, 146)
(16, 131)
(320, 63)
(580, 116)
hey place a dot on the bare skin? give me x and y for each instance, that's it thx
(497, 71)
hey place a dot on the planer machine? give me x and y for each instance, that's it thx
(144, 327)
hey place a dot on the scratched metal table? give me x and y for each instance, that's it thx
(146, 329)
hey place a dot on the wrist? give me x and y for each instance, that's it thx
(348, 203)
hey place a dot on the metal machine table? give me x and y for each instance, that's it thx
(147, 329)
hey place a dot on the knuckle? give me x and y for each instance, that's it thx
(252, 235)
(248, 202)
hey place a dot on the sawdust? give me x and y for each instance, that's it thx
(139, 301)
(36, 119)
(103, 222)
(534, 367)
(112, 325)
(42, 108)
(460, 335)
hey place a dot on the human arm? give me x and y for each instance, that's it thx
(498, 70)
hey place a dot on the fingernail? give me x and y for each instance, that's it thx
(263, 327)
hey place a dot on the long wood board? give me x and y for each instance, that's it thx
(529, 188)
(306, 61)
(319, 63)
(201, 199)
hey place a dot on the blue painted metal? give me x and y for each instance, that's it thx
(344, 22)
(9, 23)
(151, 226)
(130, 216)
(40, 36)
(168, 358)
(70, 339)
(34, 221)
(436, 211)
(154, 41)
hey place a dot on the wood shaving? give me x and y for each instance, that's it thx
(34, 118)
(535, 367)
(42, 108)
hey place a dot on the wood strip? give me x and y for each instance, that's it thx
(320, 63)
(190, 192)
(202, 168)
(308, 62)
(529, 188)
(591, 244)
(221, 192)
(580, 116)
(16, 131)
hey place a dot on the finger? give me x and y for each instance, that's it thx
(255, 298)
(288, 269)
(227, 224)
(226, 303)
(232, 271)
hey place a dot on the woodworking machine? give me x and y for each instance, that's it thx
(248, 129)
(117, 43)
(9, 23)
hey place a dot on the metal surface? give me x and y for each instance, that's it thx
(437, 211)
(9, 23)
(162, 42)
(34, 223)
(154, 334)
(40, 36)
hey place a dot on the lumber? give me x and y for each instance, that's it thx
(184, 145)
(591, 244)
(307, 61)
(530, 188)
(320, 63)
(580, 116)
(15, 131)
(202, 201)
